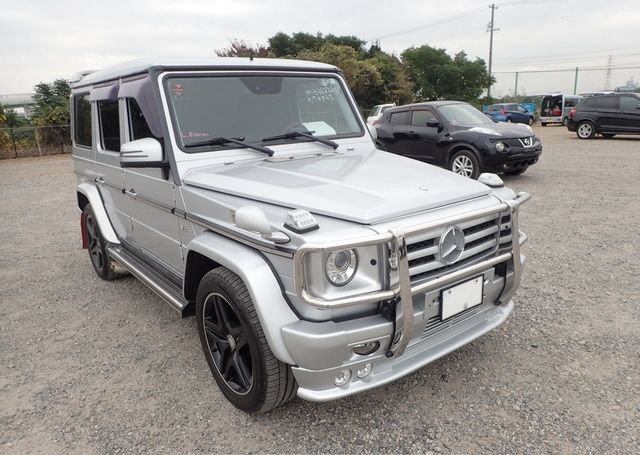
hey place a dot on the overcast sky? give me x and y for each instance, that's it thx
(41, 40)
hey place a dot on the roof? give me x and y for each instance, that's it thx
(240, 63)
(426, 103)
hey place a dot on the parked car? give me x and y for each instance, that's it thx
(459, 137)
(555, 108)
(607, 115)
(251, 193)
(510, 113)
(377, 112)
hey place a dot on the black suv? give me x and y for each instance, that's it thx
(457, 136)
(617, 113)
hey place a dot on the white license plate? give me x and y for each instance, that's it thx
(461, 297)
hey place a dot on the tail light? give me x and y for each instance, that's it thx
(572, 113)
(503, 111)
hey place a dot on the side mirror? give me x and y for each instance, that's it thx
(251, 218)
(145, 152)
(435, 124)
(373, 131)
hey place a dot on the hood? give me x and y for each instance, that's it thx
(362, 187)
(508, 130)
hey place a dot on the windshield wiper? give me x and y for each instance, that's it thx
(231, 140)
(309, 135)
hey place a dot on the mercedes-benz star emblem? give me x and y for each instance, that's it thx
(451, 245)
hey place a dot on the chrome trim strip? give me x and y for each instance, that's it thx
(254, 243)
(155, 287)
(152, 202)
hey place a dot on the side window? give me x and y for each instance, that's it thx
(608, 102)
(570, 103)
(521, 109)
(589, 102)
(420, 118)
(629, 103)
(109, 125)
(138, 127)
(82, 120)
(399, 118)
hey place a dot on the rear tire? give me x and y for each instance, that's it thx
(585, 130)
(236, 349)
(464, 162)
(543, 124)
(97, 246)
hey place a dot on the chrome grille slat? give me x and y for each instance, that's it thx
(482, 238)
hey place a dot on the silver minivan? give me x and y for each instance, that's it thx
(555, 108)
(250, 193)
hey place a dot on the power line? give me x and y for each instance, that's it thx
(564, 70)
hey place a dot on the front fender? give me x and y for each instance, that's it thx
(273, 311)
(93, 196)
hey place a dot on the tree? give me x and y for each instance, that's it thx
(51, 111)
(283, 45)
(438, 76)
(363, 76)
(242, 48)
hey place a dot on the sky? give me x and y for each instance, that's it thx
(42, 40)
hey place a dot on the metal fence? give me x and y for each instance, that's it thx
(22, 141)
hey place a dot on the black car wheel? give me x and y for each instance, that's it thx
(464, 162)
(97, 246)
(236, 349)
(585, 130)
(516, 171)
(543, 124)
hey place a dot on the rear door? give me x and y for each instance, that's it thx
(609, 117)
(630, 107)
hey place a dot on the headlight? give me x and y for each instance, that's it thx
(341, 266)
(500, 146)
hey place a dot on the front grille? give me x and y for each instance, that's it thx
(516, 142)
(482, 238)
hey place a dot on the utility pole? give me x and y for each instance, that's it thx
(607, 76)
(491, 29)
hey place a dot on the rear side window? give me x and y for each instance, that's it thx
(82, 120)
(138, 126)
(608, 102)
(570, 103)
(589, 102)
(629, 103)
(494, 108)
(109, 125)
(399, 118)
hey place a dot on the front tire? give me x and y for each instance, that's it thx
(585, 130)
(464, 162)
(236, 349)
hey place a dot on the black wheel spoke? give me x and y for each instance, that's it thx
(243, 373)
(214, 329)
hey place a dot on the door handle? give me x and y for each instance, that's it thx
(100, 180)
(131, 192)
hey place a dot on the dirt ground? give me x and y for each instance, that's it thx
(88, 366)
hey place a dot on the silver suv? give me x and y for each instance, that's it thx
(250, 193)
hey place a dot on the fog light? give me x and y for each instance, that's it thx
(366, 348)
(500, 146)
(342, 378)
(364, 371)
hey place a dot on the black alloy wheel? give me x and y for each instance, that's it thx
(235, 345)
(228, 344)
(97, 246)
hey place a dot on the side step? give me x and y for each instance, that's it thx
(171, 294)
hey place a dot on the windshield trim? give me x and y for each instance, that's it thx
(173, 126)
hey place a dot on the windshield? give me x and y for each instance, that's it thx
(464, 114)
(251, 108)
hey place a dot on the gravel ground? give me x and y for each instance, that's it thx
(89, 366)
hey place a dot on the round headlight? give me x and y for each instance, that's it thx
(341, 266)
(500, 146)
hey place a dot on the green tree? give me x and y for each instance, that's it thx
(51, 112)
(363, 76)
(242, 48)
(437, 76)
(290, 46)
